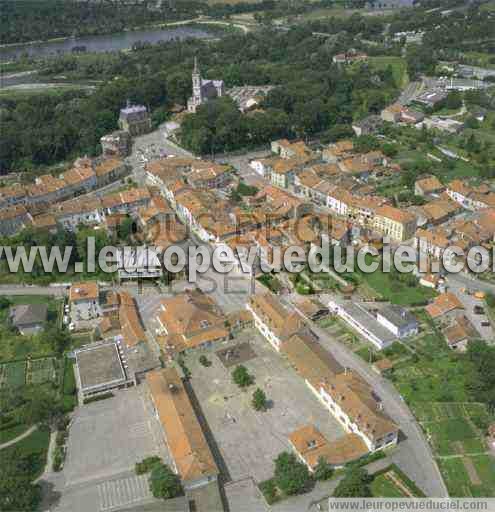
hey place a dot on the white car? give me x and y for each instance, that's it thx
(66, 319)
(72, 326)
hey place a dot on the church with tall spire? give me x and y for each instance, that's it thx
(202, 89)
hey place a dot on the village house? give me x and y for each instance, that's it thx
(471, 198)
(76, 212)
(349, 57)
(399, 225)
(272, 319)
(46, 222)
(109, 170)
(428, 186)
(209, 175)
(14, 219)
(47, 190)
(445, 306)
(116, 144)
(189, 321)
(438, 211)
(459, 333)
(368, 125)
(357, 408)
(191, 457)
(84, 301)
(81, 179)
(128, 201)
(28, 319)
(286, 149)
(310, 446)
(340, 150)
(12, 196)
(130, 321)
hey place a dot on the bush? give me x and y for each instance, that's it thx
(204, 361)
(58, 458)
(164, 483)
(323, 470)
(146, 465)
(269, 490)
(97, 398)
(241, 377)
(259, 400)
(291, 476)
(61, 437)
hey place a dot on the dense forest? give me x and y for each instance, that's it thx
(312, 95)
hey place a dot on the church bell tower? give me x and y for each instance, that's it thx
(196, 82)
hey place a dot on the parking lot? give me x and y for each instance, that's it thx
(108, 437)
(248, 441)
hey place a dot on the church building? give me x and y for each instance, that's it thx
(203, 90)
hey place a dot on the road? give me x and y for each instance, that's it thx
(414, 455)
(19, 289)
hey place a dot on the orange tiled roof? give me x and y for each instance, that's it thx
(184, 436)
(87, 290)
(443, 304)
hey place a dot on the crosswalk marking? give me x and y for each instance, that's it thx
(114, 494)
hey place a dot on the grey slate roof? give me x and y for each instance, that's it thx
(26, 314)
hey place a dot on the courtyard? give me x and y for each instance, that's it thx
(245, 440)
(109, 436)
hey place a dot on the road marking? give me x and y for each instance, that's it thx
(115, 494)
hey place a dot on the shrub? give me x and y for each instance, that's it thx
(269, 490)
(146, 465)
(241, 377)
(164, 483)
(97, 398)
(291, 476)
(204, 361)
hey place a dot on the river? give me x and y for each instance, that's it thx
(106, 43)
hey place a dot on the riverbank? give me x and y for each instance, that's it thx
(201, 20)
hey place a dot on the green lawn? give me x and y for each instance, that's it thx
(35, 446)
(13, 375)
(395, 291)
(382, 487)
(399, 68)
(457, 477)
(11, 433)
(447, 436)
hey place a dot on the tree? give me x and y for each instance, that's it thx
(16, 490)
(259, 400)
(355, 484)
(323, 470)
(41, 407)
(291, 476)
(241, 377)
(164, 483)
(125, 229)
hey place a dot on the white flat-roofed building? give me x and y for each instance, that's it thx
(138, 263)
(364, 322)
(398, 321)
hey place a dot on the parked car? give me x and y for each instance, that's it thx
(72, 326)
(478, 310)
